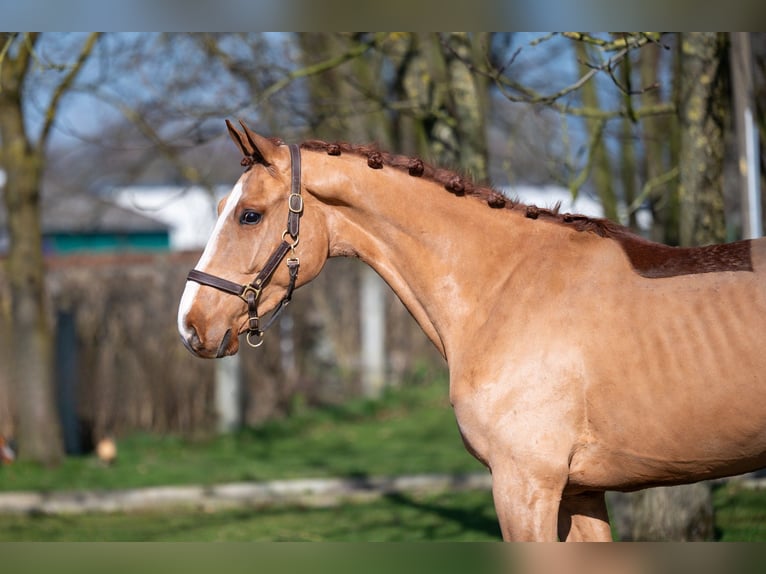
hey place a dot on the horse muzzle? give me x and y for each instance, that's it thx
(207, 348)
(202, 337)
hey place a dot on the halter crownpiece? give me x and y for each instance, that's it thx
(251, 292)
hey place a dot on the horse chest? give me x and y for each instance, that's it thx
(503, 413)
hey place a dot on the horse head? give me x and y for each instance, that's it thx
(253, 260)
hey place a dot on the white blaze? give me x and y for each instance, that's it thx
(192, 287)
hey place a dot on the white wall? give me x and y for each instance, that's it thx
(547, 196)
(189, 211)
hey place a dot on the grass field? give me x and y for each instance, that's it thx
(467, 516)
(461, 516)
(410, 430)
(740, 515)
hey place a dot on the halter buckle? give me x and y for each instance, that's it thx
(295, 203)
(247, 288)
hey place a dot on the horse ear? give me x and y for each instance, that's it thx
(239, 139)
(258, 148)
(264, 149)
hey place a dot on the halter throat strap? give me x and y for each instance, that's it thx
(250, 292)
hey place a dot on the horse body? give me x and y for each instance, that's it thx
(572, 370)
(676, 382)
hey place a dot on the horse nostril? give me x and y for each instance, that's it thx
(191, 339)
(224, 343)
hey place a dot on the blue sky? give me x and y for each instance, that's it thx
(84, 114)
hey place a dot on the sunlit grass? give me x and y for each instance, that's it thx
(410, 430)
(451, 516)
(740, 514)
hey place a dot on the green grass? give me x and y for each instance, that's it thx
(410, 430)
(740, 514)
(467, 516)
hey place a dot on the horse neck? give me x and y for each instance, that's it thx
(437, 251)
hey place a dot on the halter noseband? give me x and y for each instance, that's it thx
(251, 292)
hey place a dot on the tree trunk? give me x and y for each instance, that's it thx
(627, 149)
(38, 433)
(446, 100)
(421, 127)
(601, 168)
(703, 115)
(659, 143)
(673, 514)
(347, 123)
(468, 101)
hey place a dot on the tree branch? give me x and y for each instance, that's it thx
(63, 87)
(650, 186)
(531, 97)
(627, 40)
(593, 142)
(15, 78)
(516, 92)
(25, 54)
(8, 38)
(187, 171)
(320, 67)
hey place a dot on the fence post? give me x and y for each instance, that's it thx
(373, 318)
(741, 61)
(66, 381)
(228, 393)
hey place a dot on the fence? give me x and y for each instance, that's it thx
(121, 359)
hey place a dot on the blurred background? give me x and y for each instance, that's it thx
(114, 154)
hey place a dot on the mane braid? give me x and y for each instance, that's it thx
(459, 184)
(648, 259)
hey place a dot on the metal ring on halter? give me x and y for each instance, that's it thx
(259, 334)
(294, 244)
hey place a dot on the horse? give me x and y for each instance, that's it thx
(582, 358)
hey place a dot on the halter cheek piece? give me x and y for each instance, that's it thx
(251, 292)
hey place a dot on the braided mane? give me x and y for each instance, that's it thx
(459, 184)
(649, 259)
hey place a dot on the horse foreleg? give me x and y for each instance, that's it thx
(527, 510)
(584, 518)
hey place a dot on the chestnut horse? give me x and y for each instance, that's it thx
(582, 358)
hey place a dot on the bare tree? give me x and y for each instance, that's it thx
(599, 161)
(602, 93)
(703, 114)
(659, 136)
(22, 157)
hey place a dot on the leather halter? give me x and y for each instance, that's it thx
(251, 292)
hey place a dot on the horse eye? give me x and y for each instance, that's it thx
(250, 217)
